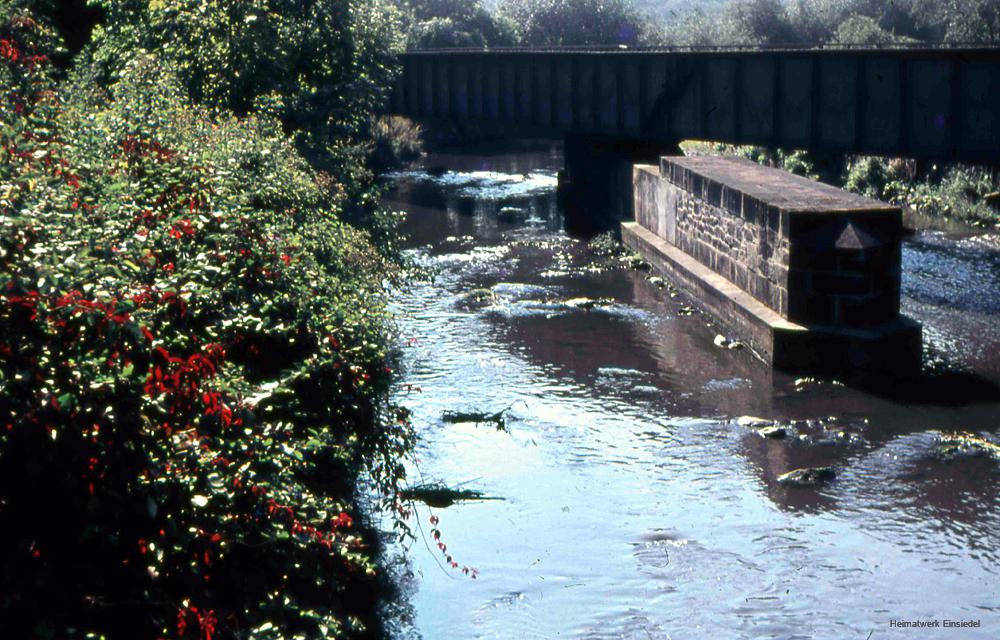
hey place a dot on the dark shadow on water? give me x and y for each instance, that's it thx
(940, 382)
(946, 389)
(425, 194)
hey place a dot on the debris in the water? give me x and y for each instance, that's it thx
(512, 214)
(606, 244)
(441, 496)
(808, 477)
(725, 343)
(635, 261)
(498, 419)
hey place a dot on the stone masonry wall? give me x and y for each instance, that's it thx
(745, 249)
(811, 252)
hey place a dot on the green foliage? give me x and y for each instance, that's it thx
(868, 176)
(967, 20)
(575, 22)
(819, 22)
(951, 191)
(669, 10)
(865, 30)
(195, 364)
(397, 140)
(319, 66)
(798, 162)
(690, 28)
(764, 22)
(455, 23)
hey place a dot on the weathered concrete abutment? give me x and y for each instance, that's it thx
(807, 274)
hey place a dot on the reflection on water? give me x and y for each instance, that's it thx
(635, 505)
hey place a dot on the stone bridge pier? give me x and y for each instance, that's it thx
(595, 186)
(805, 274)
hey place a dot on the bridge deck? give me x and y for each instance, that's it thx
(941, 104)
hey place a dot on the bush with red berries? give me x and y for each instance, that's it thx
(194, 366)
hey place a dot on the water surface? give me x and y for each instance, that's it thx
(634, 506)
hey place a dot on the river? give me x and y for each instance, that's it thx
(626, 501)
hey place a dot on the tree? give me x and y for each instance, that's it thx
(320, 66)
(761, 22)
(455, 23)
(865, 30)
(970, 21)
(692, 28)
(575, 22)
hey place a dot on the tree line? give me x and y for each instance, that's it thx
(473, 23)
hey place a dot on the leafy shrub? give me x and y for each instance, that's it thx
(321, 67)
(764, 22)
(798, 162)
(397, 140)
(194, 367)
(868, 176)
(866, 30)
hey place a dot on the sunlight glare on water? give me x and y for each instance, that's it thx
(633, 505)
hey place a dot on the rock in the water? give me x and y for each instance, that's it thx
(588, 303)
(809, 477)
(753, 422)
(477, 298)
(775, 432)
(636, 262)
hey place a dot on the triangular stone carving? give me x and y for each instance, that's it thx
(854, 238)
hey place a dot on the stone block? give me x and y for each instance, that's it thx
(814, 254)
